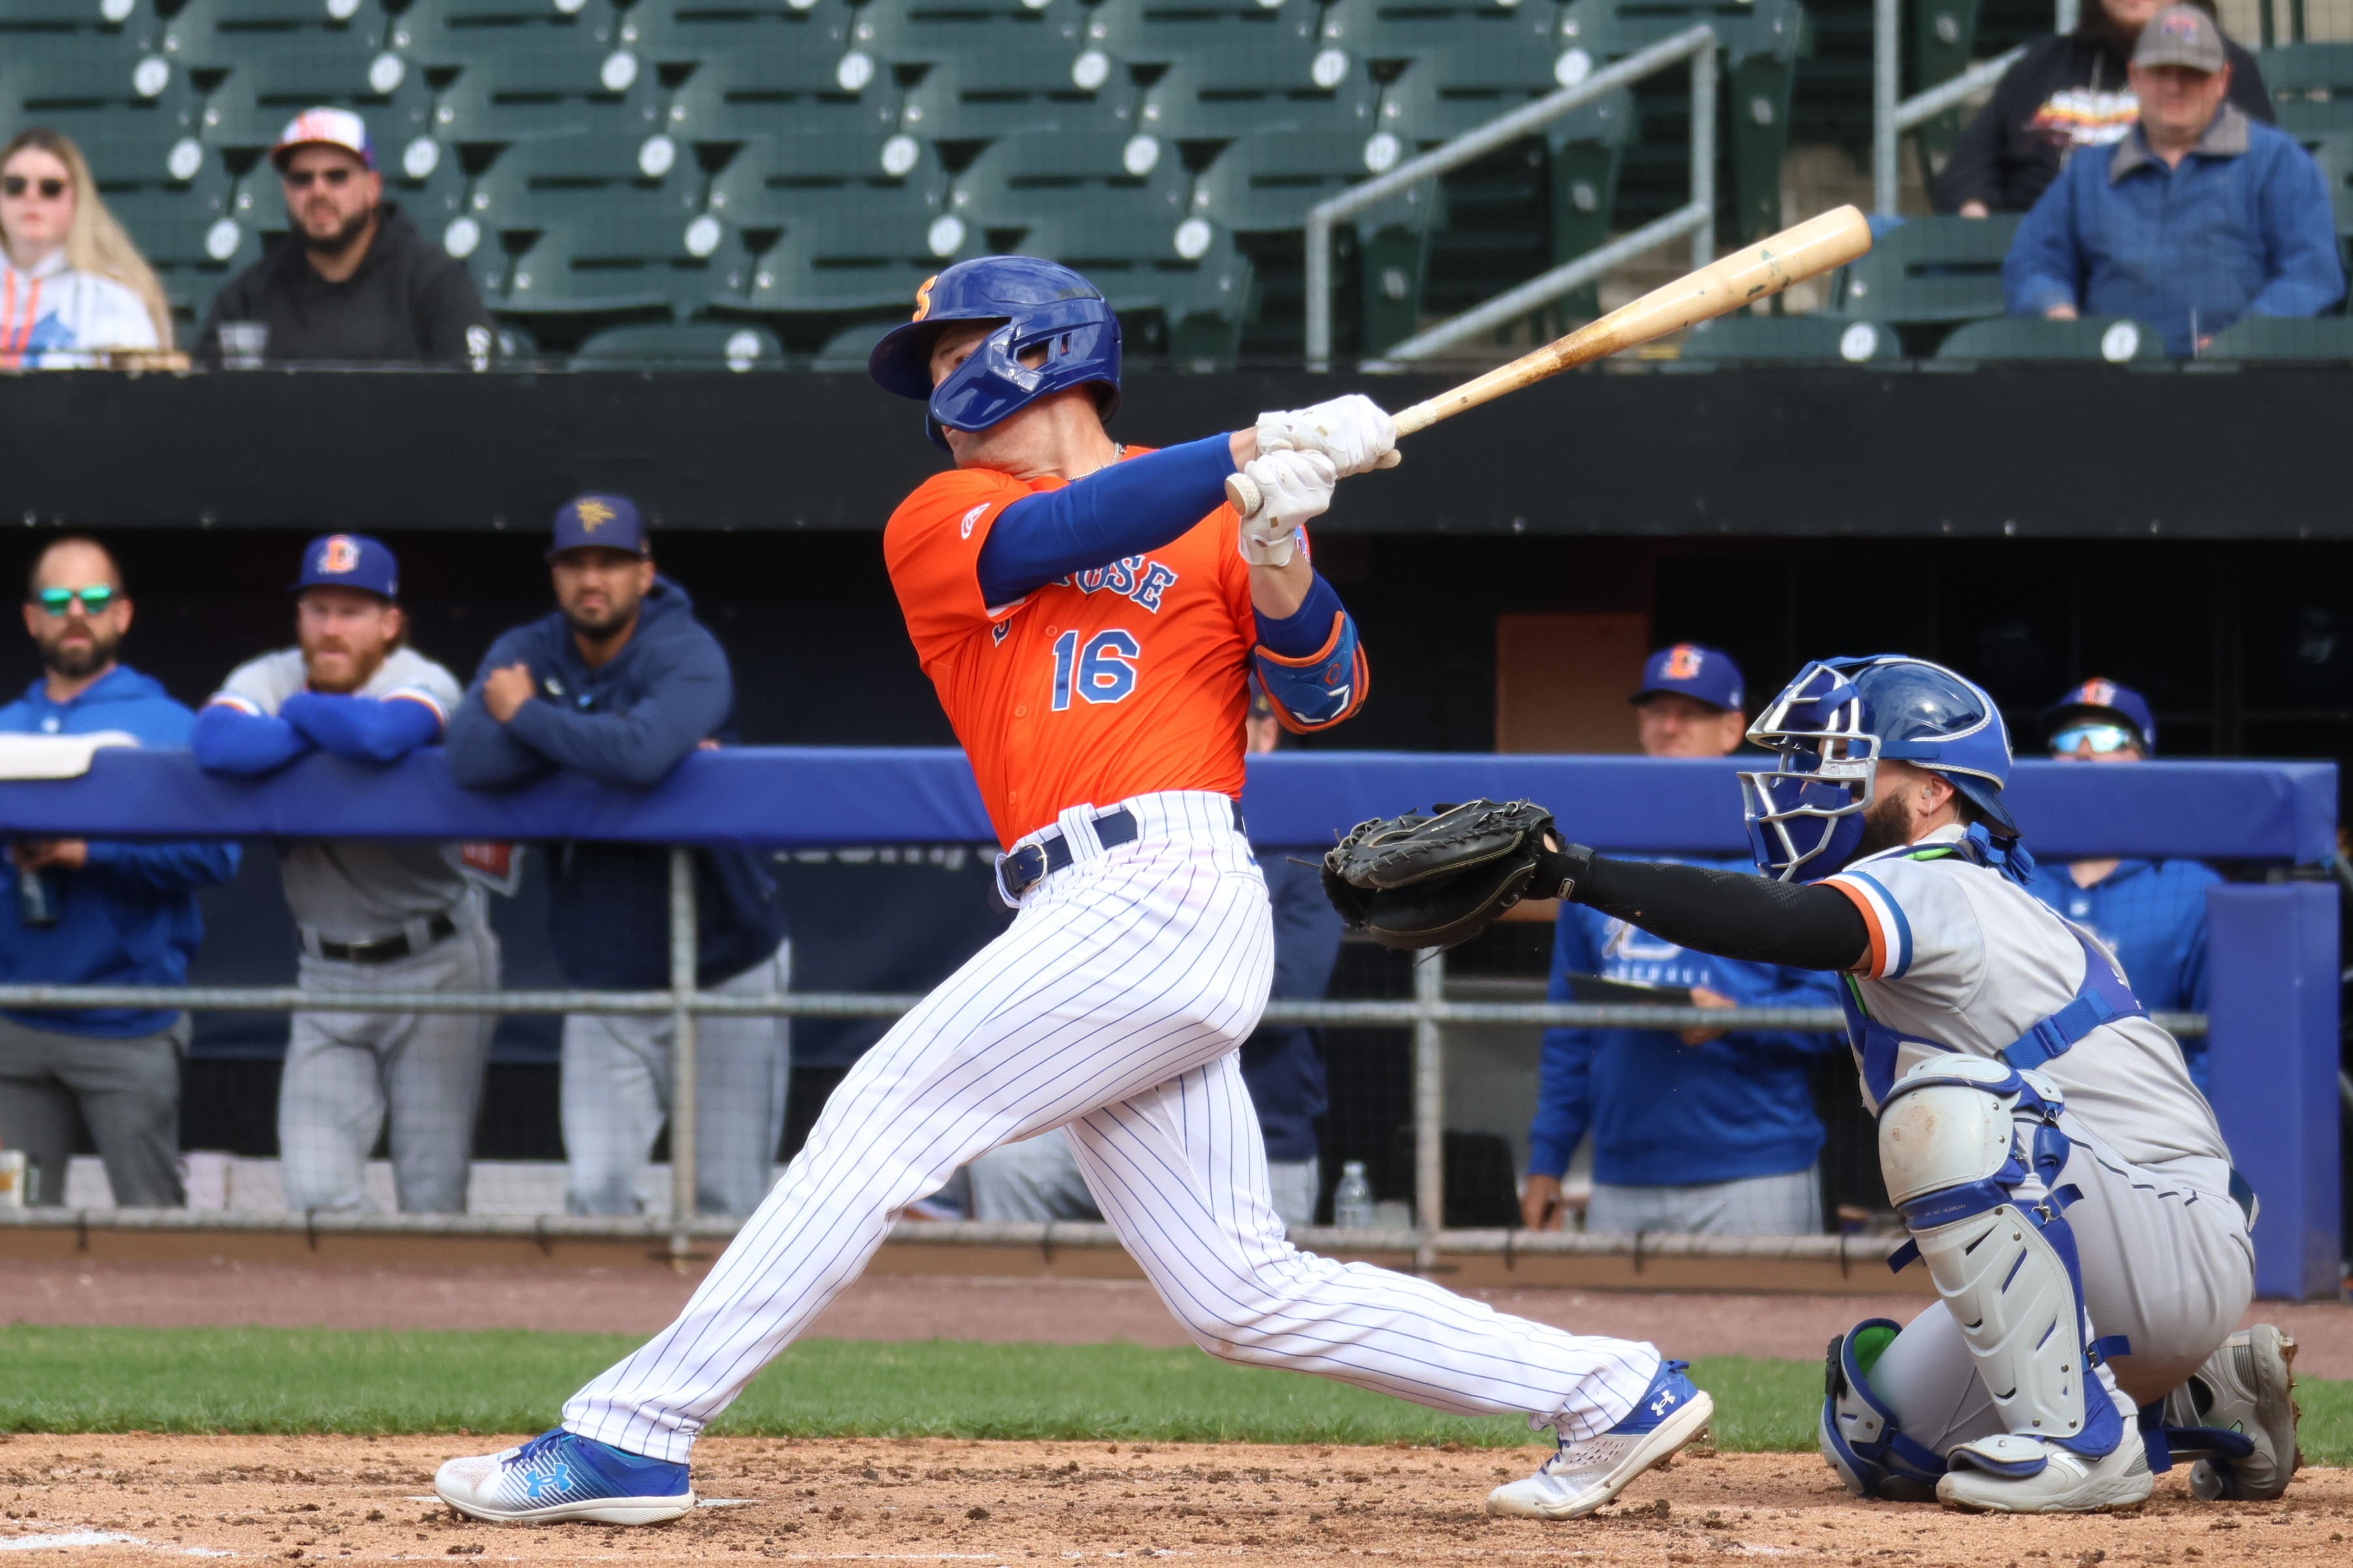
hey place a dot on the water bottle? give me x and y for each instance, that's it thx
(1352, 1200)
(36, 901)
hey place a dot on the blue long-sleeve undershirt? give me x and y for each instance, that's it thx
(228, 739)
(1126, 509)
(1304, 631)
(362, 728)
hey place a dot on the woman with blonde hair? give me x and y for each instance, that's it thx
(74, 291)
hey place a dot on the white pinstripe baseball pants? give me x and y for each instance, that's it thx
(1113, 1005)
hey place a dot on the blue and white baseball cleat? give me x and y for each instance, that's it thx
(558, 1476)
(1582, 1476)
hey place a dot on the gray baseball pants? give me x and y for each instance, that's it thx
(1789, 1203)
(617, 1095)
(344, 1071)
(128, 1092)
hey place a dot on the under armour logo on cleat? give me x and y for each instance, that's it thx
(538, 1484)
(1665, 1398)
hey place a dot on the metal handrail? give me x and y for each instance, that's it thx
(1892, 116)
(1695, 217)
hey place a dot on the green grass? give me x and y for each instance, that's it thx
(320, 1379)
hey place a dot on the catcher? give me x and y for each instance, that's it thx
(2063, 1180)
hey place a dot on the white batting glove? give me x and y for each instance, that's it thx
(1295, 486)
(1351, 431)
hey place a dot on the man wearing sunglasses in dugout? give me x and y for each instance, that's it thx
(353, 281)
(76, 912)
(2150, 913)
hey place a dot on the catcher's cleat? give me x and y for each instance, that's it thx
(1584, 1474)
(2009, 1474)
(560, 1475)
(2246, 1386)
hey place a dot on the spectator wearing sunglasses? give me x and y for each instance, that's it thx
(353, 282)
(2150, 913)
(97, 913)
(74, 291)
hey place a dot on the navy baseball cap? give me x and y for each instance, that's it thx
(1694, 671)
(2099, 699)
(599, 520)
(349, 561)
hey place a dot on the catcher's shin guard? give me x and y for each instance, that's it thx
(1858, 1434)
(1970, 1148)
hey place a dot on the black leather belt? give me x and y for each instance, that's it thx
(441, 928)
(1033, 863)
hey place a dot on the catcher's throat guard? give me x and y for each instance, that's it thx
(1416, 881)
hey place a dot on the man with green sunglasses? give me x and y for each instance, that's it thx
(92, 913)
(2150, 913)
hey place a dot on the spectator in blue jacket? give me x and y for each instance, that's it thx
(1695, 1131)
(96, 913)
(620, 684)
(2197, 217)
(2150, 913)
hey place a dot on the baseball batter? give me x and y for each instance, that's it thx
(2063, 1181)
(1090, 614)
(373, 916)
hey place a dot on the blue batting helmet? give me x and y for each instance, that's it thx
(1833, 723)
(1043, 306)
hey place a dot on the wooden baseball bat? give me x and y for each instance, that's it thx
(1765, 268)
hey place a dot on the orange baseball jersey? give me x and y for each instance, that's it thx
(1117, 681)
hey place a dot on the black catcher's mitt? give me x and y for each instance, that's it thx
(1433, 881)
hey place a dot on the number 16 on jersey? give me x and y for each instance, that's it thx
(1102, 671)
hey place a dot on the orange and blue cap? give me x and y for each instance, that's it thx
(2100, 698)
(326, 127)
(349, 561)
(1694, 671)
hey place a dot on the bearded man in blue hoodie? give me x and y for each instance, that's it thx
(620, 684)
(96, 913)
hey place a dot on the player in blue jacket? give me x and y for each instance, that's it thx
(2150, 913)
(1696, 1131)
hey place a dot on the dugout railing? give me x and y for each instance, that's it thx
(2271, 1023)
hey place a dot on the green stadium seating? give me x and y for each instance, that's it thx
(2091, 340)
(675, 33)
(930, 32)
(829, 266)
(1931, 272)
(848, 351)
(276, 79)
(1761, 42)
(893, 187)
(222, 35)
(450, 35)
(188, 235)
(2254, 340)
(1942, 35)
(992, 93)
(1161, 32)
(681, 345)
(1289, 86)
(774, 89)
(136, 117)
(126, 24)
(1405, 32)
(1812, 339)
(562, 86)
(1188, 305)
(1262, 187)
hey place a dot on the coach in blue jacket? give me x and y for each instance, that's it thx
(2197, 216)
(2150, 913)
(89, 913)
(620, 684)
(1695, 1131)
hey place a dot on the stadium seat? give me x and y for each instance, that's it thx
(2332, 148)
(188, 235)
(1222, 94)
(1930, 272)
(2091, 340)
(616, 228)
(562, 86)
(276, 77)
(681, 345)
(848, 350)
(2312, 86)
(449, 36)
(925, 32)
(675, 33)
(1761, 43)
(1943, 36)
(997, 92)
(1161, 32)
(221, 35)
(829, 266)
(136, 116)
(770, 179)
(2254, 340)
(1814, 340)
(1262, 187)
(774, 89)
(1401, 32)
(129, 25)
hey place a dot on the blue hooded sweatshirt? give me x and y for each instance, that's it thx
(628, 723)
(1663, 1113)
(129, 918)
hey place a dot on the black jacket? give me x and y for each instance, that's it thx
(409, 301)
(2069, 91)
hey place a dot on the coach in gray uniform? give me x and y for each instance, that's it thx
(374, 915)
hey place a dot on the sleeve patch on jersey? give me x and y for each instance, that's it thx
(1322, 689)
(231, 699)
(418, 694)
(1891, 932)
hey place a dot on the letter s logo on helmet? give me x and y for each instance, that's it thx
(1043, 309)
(1833, 724)
(340, 554)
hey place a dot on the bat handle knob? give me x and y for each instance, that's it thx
(1241, 494)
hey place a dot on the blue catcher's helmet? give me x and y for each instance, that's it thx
(1042, 305)
(1833, 725)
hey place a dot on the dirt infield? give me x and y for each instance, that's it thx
(310, 1498)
